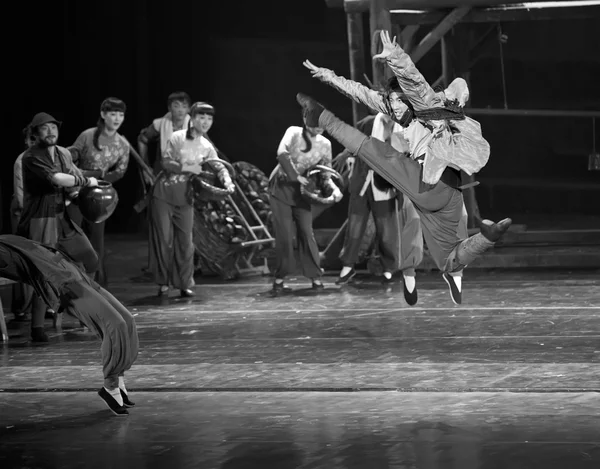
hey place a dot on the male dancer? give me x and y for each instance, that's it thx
(397, 225)
(50, 181)
(56, 278)
(431, 180)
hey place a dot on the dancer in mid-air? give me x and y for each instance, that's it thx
(438, 141)
(56, 278)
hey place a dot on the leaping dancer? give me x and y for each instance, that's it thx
(438, 141)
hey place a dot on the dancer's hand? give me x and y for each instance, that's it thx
(388, 46)
(314, 70)
(230, 187)
(302, 180)
(92, 182)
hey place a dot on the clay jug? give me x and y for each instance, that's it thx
(98, 203)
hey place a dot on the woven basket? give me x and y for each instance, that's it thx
(316, 191)
(206, 185)
(214, 254)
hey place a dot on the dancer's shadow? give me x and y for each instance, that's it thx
(297, 292)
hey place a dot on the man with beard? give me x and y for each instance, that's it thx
(50, 181)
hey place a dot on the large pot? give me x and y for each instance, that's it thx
(98, 203)
(316, 191)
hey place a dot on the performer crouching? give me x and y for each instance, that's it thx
(300, 150)
(56, 278)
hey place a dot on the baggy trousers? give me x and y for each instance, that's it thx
(171, 246)
(290, 221)
(78, 246)
(102, 313)
(397, 228)
(440, 208)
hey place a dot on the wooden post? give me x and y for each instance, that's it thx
(379, 19)
(356, 51)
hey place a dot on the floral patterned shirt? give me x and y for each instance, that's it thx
(171, 185)
(112, 158)
(294, 145)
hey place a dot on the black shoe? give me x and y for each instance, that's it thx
(494, 231)
(112, 404)
(317, 285)
(126, 401)
(163, 290)
(312, 109)
(455, 293)
(279, 288)
(21, 317)
(387, 281)
(411, 298)
(187, 293)
(346, 278)
(38, 334)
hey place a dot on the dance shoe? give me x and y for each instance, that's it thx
(163, 290)
(112, 404)
(312, 109)
(494, 231)
(126, 401)
(455, 293)
(411, 298)
(343, 280)
(317, 285)
(279, 288)
(187, 293)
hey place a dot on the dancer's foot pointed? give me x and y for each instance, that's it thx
(494, 231)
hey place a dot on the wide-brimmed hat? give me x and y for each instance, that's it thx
(42, 118)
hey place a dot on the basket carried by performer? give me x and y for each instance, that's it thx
(318, 191)
(207, 186)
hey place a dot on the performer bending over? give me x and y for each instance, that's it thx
(300, 150)
(55, 277)
(430, 179)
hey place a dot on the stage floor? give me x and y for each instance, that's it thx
(345, 378)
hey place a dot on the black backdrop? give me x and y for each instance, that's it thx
(65, 57)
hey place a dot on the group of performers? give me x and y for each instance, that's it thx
(419, 143)
(406, 173)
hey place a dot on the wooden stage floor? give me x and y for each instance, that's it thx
(345, 378)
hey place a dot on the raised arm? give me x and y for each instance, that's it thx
(413, 83)
(352, 89)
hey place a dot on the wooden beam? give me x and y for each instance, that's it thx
(361, 6)
(379, 20)
(357, 58)
(497, 15)
(407, 37)
(438, 32)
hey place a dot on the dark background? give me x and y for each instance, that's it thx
(65, 57)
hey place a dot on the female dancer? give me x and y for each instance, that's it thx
(171, 248)
(103, 153)
(300, 149)
(56, 278)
